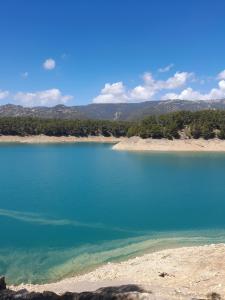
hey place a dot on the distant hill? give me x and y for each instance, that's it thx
(120, 111)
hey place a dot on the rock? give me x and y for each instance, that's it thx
(214, 296)
(10, 295)
(25, 295)
(163, 274)
(2, 283)
(124, 292)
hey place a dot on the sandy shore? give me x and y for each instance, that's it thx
(39, 139)
(182, 145)
(182, 273)
(127, 144)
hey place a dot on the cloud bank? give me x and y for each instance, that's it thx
(179, 86)
(117, 92)
(190, 94)
(152, 89)
(49, 97)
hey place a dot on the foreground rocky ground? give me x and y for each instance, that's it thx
(121, 292)
(183, 273)
(124, 292)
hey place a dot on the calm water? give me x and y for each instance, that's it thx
(65, 209)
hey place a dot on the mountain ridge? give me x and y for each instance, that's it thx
(110, 111)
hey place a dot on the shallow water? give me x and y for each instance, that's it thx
(67, 208)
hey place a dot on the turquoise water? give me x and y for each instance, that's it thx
(65, 209)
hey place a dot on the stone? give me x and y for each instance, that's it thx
(2, 283)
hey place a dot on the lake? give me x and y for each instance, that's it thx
(67, 208)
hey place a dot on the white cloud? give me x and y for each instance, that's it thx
(176, 81)
(166, 68)
(222, 85)
(49, 64)
(49, 97)
(3, 94)
(148, 78)
(221, 75)
(190, 94)
(117, 92)
(186, 94)
(115, 88)
(24, 75)
(142, 93)
(112, 93)
(151, 86)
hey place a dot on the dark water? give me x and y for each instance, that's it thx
(68, 208)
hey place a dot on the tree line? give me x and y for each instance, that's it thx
(24, 126)
(205, 124)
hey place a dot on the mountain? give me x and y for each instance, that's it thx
(118, 111)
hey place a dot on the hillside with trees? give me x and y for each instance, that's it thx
(205, 124)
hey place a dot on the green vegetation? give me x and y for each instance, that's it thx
(205, 124)
(57, 127)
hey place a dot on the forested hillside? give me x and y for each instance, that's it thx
(205, 124)
(57, 127)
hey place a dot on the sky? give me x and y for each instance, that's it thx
(76, 52)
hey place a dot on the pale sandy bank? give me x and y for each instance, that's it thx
(182, 273)
(200, 145)
(39, 139)
(127, 144)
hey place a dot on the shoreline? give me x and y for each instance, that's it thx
(177, 273)
(44, 139)
(164, 145)
(134, 144)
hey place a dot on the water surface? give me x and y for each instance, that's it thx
(66, 208)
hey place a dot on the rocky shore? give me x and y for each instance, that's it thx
(123, 292)
(160, 145)
(182, 273)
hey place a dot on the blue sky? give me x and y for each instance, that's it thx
(80, 51)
